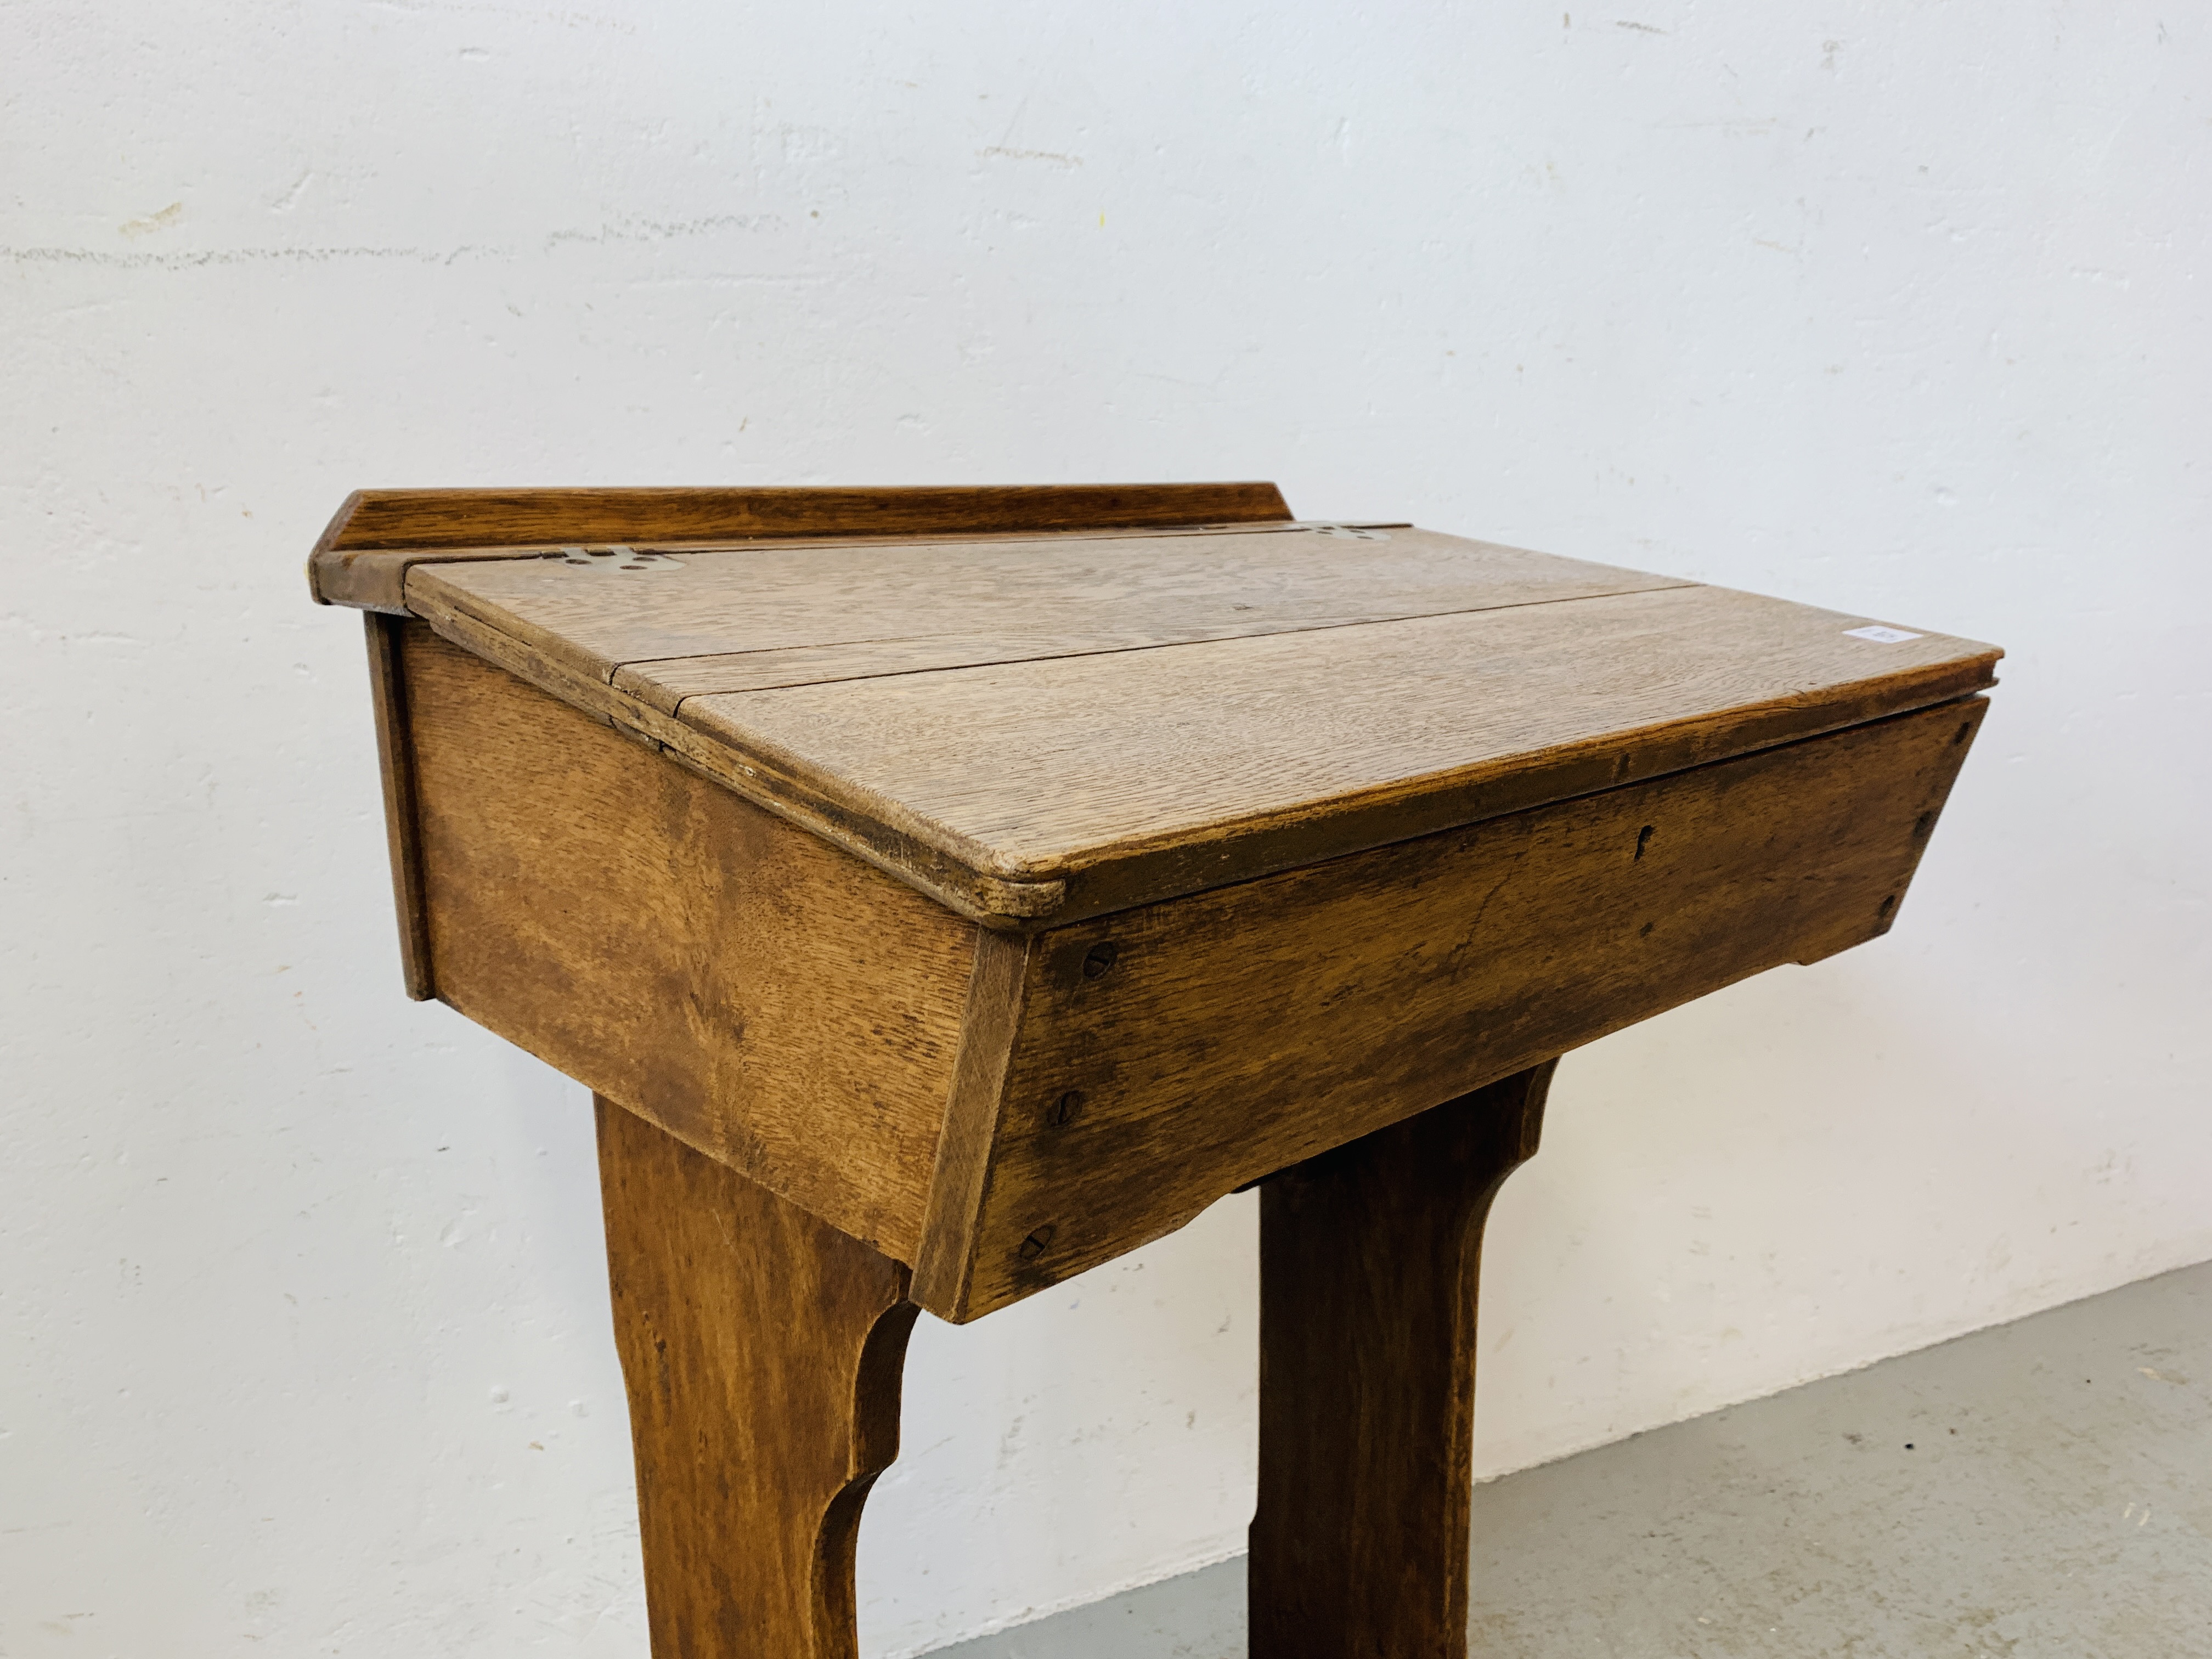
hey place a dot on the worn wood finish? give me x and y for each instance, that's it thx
(1036, 788)
(800, 1017)
(667, 628)
(364, 553)
(761, 1352)
(761, 994)
(1134, 776)
(395, 759)
(884, 840)
(1278, 836)
(1211, 1039)
(1370, 1263)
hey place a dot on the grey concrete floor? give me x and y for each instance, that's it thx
(2043, 1488)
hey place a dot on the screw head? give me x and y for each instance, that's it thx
(1034, 1245)
(1098, 958)
(1063, 1111)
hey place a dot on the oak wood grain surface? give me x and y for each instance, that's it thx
(1166, 1055)
(364, 553)
(1350, 689)
(1154, 770)
(683, 625)
(879, 841)
(761, 1352)
(769, 999)
(1370, 1265)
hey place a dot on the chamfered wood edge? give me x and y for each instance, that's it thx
(395, 758)
(409, 525)
(996, 986)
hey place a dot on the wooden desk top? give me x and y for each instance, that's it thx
(1278, 833)
(1037, 728)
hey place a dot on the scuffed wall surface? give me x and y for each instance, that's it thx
(303, 1335)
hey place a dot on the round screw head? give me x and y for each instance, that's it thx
(1034, 1245)
(1063, 1111)
(1099, 959)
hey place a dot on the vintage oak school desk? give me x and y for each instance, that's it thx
(944, 891)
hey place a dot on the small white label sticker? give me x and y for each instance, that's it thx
(1879, 635)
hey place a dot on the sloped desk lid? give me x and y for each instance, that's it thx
(1037, 728)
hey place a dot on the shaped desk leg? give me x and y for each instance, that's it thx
(1369, 1261)
(762, 1350)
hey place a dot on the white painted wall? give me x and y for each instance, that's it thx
(1896, 309)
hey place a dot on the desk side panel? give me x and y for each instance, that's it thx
(1237, 1031)
(761, 995)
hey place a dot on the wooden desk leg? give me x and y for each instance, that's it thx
(1369, 1258)
(762, 1350)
